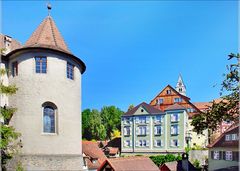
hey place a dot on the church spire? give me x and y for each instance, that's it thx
(180, 87)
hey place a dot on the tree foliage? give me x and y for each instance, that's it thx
(111, 118)
(101, 125)
(8, 144)
(228, 107)
(92, 127)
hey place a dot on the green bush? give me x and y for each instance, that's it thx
(161, 159)
(196, 163)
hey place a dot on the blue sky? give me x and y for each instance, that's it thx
(133, 49)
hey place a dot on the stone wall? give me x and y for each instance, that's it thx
(47, 162)
(200, 155)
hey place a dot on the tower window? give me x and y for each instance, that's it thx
(180, 89)
(70, 71)
(41, 64)
(49, 118)
(14, 68)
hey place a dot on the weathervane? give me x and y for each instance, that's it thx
(49, 7)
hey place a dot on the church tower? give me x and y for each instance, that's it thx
(180, 87)
(48, 101)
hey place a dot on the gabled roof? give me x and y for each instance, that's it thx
(175, 91)
(132, 163)
(175, 107)
(221, 142)
(47, 35)
(91, 150)
(150, 109)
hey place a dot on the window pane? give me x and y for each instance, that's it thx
(70, 71)
(49, 120)
(41, 64)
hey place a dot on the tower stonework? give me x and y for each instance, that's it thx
(48, 101)
(180, 87)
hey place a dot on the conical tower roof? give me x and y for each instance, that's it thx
(47, 35)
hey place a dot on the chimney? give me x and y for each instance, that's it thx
(185, 162)
(7, 44)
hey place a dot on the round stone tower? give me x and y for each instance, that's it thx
(48, 100)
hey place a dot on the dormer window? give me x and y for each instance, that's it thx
(168, 91)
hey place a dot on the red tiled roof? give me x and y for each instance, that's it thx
(170, 165)
(14, 44)
(133, 163)
(47, 35)
(205, 105)
(175, 107)
(150, 109)
(221, 142)
(92, 150)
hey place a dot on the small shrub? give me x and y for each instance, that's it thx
(161, 159)
(196, 163)
(19, 167)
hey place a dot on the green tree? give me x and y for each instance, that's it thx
(97, 129)
(86, 134)
(228, 107)
(130, 107)
(92, 127)
(111, 119)
(8, 144)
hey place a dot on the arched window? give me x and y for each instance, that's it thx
(49, 117)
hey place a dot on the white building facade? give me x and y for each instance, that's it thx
(48, 100)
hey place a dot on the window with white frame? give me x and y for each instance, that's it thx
(174, 143)
(127, 143)
(142, 130)
(127, 131)
(160, 101)
(177, 100)
(216, 155)
(158, 130)
(142, 119)
(142, 143)
(228, 155)
(158, 143)
(168, 91)
(174, 130)
(234, 136)
(174, 117)
(127, 120)
(41, 64)
(228, 137)
(159, 119)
